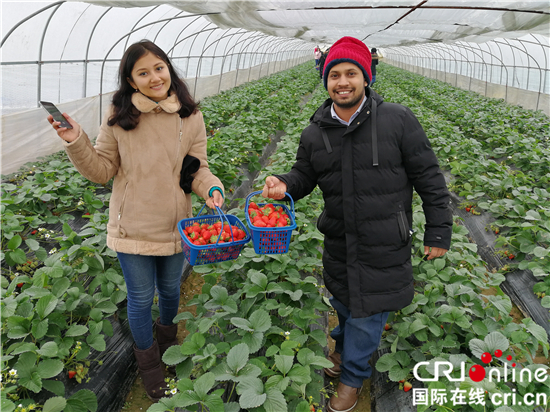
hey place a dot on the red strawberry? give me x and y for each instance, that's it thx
(71, 374)
(20, 284)
(33, 232)
(468, 209)
(407, 386)
(387, 326)
(206, 234)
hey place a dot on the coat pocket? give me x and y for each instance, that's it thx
(402, 222)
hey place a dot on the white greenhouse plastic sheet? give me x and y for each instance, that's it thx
(28, 135)
(379, 23)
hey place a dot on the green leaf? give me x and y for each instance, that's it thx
(319, 336)
(67, 229)
(32, 244)
(237, 357)
(173, 355)
(6, 405)
(251, 392)
(14, 243)
(231, 407)
(24, 347)
(183, 316)
(32, 382)
(60, 286)
(46, 305)
(536, 330)
(49, 368)
(242, 324)
(56, 387)
(300, 374)
(203, 384)
(258, 278)
(386, 362)
(275, 401)
(254, 341)
(284, 363)
(492, 342)
(303, 406)
(55, 404)
(540, 252)
(107, 306)
(532, 215)
(219, 293)
(192, 346)
(479, 328)
(76, 330)
(18, 256)
(214, 403)
(97, 342)
(398, 373)
(260, 320)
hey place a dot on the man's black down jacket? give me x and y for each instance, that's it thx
(368, 213)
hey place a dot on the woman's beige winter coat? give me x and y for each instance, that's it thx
(147, 201)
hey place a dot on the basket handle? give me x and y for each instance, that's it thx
(260, 191)
(222, 218)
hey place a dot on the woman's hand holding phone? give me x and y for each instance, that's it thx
(69, 135)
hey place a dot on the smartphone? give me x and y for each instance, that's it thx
(57, 116)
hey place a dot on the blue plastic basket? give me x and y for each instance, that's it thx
(202, 255)
(271, 240)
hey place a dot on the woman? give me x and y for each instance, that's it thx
(152, 124)
(317, 55)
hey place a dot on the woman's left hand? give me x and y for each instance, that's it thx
(215, 200)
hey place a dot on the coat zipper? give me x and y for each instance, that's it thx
(123, 200)
(402, 221)
(176, 192)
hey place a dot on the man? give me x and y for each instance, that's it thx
(322, 61)
(366, 156)
(373, 65)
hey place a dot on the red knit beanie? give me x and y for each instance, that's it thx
(349, 49)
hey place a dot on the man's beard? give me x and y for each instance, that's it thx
(349, 104)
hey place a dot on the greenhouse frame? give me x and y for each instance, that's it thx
(476, 75)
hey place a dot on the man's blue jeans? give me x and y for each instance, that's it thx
(142, 273)
(356, 340)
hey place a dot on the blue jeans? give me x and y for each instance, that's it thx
(373, 79)
(142, 273)
(356, 340)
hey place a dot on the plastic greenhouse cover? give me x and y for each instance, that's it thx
(379, 22)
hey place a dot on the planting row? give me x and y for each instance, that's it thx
(513, 189)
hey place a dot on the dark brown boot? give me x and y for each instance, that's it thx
(166, 336)
(335, 370)
(151, 372)
(346, 400)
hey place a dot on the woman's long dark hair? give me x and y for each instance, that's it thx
(125, 114)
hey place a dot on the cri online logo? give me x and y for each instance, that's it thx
(477, 372)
